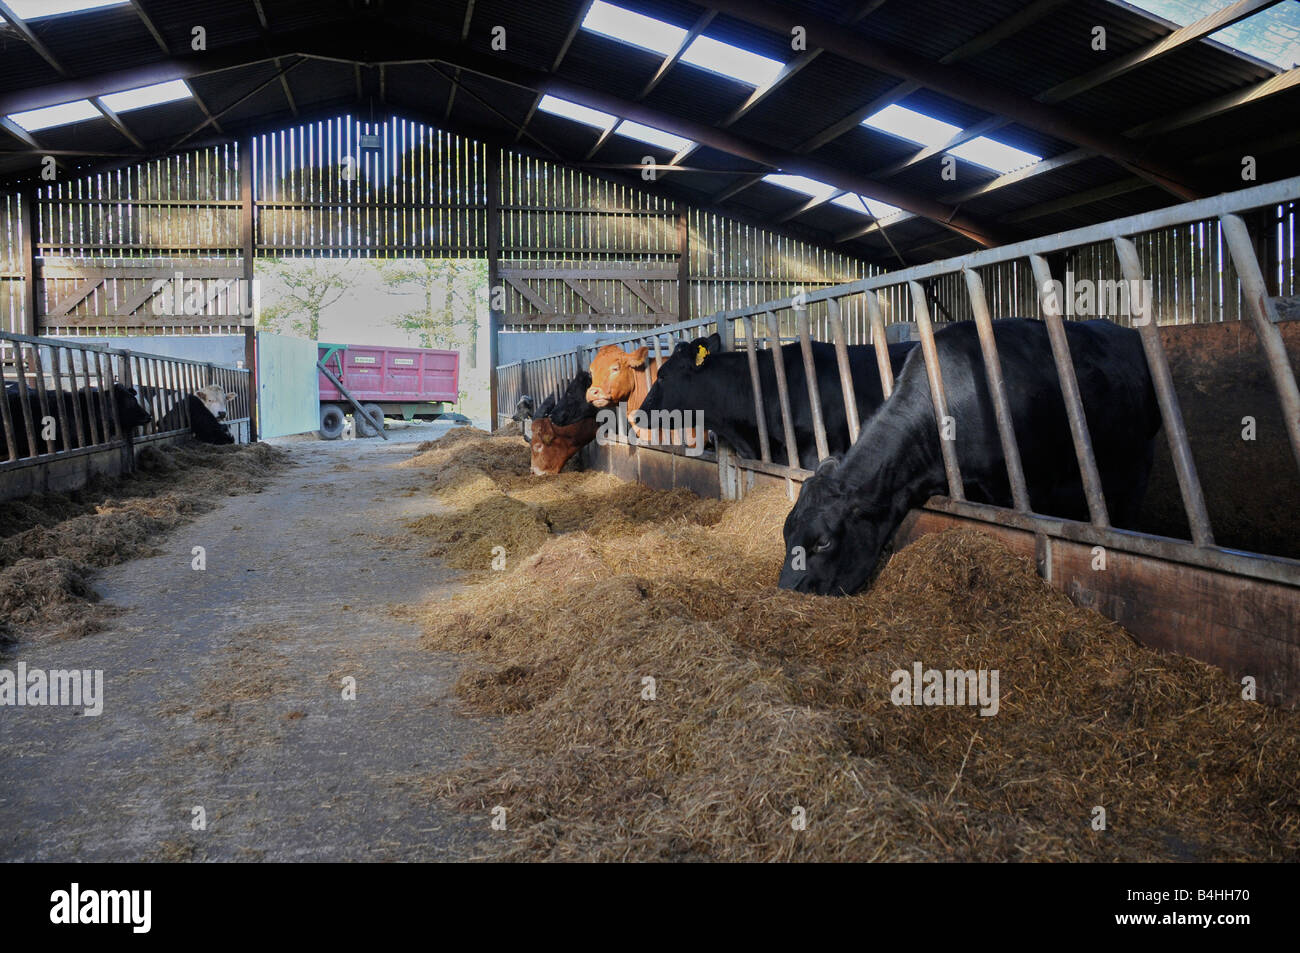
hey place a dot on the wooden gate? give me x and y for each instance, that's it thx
(163, 296)
(598, 294)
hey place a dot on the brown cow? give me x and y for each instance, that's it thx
(553, 446)
(618, 377)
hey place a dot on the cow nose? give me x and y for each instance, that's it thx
(221, 415)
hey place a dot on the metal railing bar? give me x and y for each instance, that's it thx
(756, 385)
(810, 378)
(1259, 196)
(1263, 318)
(783, 391)
(846, 372)
(1189, 483)
(938, 398)
(1079, 434)
(998, 391)
(21, 371)
(881, 342)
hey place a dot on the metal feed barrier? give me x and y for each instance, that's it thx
(54, 371)
(1235, 609)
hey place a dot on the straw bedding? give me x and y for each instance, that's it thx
(766, 701)
(51, 544)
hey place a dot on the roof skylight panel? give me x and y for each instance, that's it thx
(991, 154)
(801, 183)
(37, 9)
(578, 113)
(1271, 35)
(143, 96)
(933, 133)
(652, 136)
(635, 29)
(63, 114)
(731, 61)
(865, 206)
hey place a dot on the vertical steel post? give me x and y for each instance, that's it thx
(997, 390)
(846, 373)
(756, 386)
(1051, 307)
(782, 391)
(881, 344)
(1189, 484)
(1263, 318)
(937, 396)
(810, 375)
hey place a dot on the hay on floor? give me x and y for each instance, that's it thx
(52, 543)
(767, 702)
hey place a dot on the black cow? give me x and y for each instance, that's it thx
(92, 406)
(572, 405)
(848, 511)
(699, 376)
(565, 408)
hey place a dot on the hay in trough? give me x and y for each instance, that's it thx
(483, 527)
(51, 544)
(471, 447)
(770, 706)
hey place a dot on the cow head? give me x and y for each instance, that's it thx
(552, 446)
(215, 399)
(613, 374)
(572, 405)
(523, 409)
(130, 411)
(672, 388)
(834, 535)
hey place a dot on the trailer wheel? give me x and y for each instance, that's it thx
(364, 427)
(331, 421)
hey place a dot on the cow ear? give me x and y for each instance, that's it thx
(548, 438)
(707, 347)
(637, 357)
(828, 466)
(230, 397)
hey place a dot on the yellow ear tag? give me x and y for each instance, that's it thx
(701, 355)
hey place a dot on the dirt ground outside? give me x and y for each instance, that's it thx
(224, 688)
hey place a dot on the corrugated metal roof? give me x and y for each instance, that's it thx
(490, 103)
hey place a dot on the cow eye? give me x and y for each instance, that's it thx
(823, 544)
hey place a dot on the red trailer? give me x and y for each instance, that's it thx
(406, 382)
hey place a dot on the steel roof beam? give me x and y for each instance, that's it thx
(963, 87)
(138, 7)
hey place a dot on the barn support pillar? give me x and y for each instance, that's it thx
(494, 278)
(27, 229)
(248, 253)
(683, 265)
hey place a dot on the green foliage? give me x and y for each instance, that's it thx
(445, 295)
(307, 287)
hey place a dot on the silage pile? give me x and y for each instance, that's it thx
(51, 544)
(766, 701)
